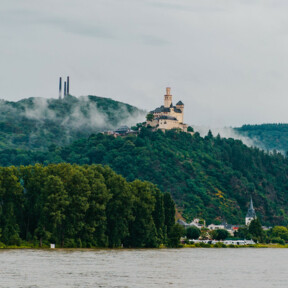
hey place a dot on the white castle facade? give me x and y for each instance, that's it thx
(168, 116)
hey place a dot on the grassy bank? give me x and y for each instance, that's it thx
(196, 245)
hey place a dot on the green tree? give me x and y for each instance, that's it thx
(149, 117)
(119, 208)
(142, 230)
(159, 216)
(193, 232)
(169, 208)
(280, 231)
(255, 229)
(220, 234)
(94, 231)
(190, 129)
(54, 210)
(34, 178)
(176, 232)
(242, 233)
(11, 206)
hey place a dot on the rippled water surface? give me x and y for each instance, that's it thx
(145, 268)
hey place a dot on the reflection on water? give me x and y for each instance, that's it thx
(215, 268)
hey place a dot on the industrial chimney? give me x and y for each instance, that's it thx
(65, 89)
(67, 86)
(60, 87)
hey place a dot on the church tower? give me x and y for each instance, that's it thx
(167, 98)
(251, 215)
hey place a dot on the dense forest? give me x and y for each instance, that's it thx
(36, 123)
(267, 136)
(211, 177)
(82, 206)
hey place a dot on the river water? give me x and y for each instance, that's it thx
(198, 267)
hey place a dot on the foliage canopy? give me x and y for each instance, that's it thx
(82, 206)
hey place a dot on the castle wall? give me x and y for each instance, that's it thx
(178, 116)
(168, 124)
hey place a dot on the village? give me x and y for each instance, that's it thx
(207, 234)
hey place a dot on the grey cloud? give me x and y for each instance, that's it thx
(224, 59)
(154, 41)
(189, 6)
(82, 28)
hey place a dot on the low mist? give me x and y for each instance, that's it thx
(39, 122)
(226, 132)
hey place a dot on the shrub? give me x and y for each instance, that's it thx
(278, 240)
(219, 245)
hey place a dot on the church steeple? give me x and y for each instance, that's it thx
(251, 205)
(251, 214)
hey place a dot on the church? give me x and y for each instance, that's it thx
(168, 116)
(251, 215)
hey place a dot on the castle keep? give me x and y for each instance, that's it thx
(168, 116)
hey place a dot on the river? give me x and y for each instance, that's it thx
(198, 267)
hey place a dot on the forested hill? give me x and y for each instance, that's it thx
(208, 177)
(267, 136)
(36, 123)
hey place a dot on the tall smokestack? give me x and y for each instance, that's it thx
(60, 87)
(65, 87)
(68, 85)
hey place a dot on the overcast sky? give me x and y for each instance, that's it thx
(225, 59)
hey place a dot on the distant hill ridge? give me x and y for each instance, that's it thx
(36, 123)
(267, 136)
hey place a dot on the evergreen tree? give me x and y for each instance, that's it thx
(255, 229)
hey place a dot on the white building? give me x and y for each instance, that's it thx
(168, 116)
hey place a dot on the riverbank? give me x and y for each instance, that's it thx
(195, 245)
(221, 245)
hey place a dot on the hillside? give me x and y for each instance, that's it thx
(267, 136)
(37, 123)
(210, 177)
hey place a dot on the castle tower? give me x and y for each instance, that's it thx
(251, 215)
(180, 106)
(167, 98)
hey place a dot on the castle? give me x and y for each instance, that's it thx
(168, 116)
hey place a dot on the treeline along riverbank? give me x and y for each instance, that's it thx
(82, 206)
